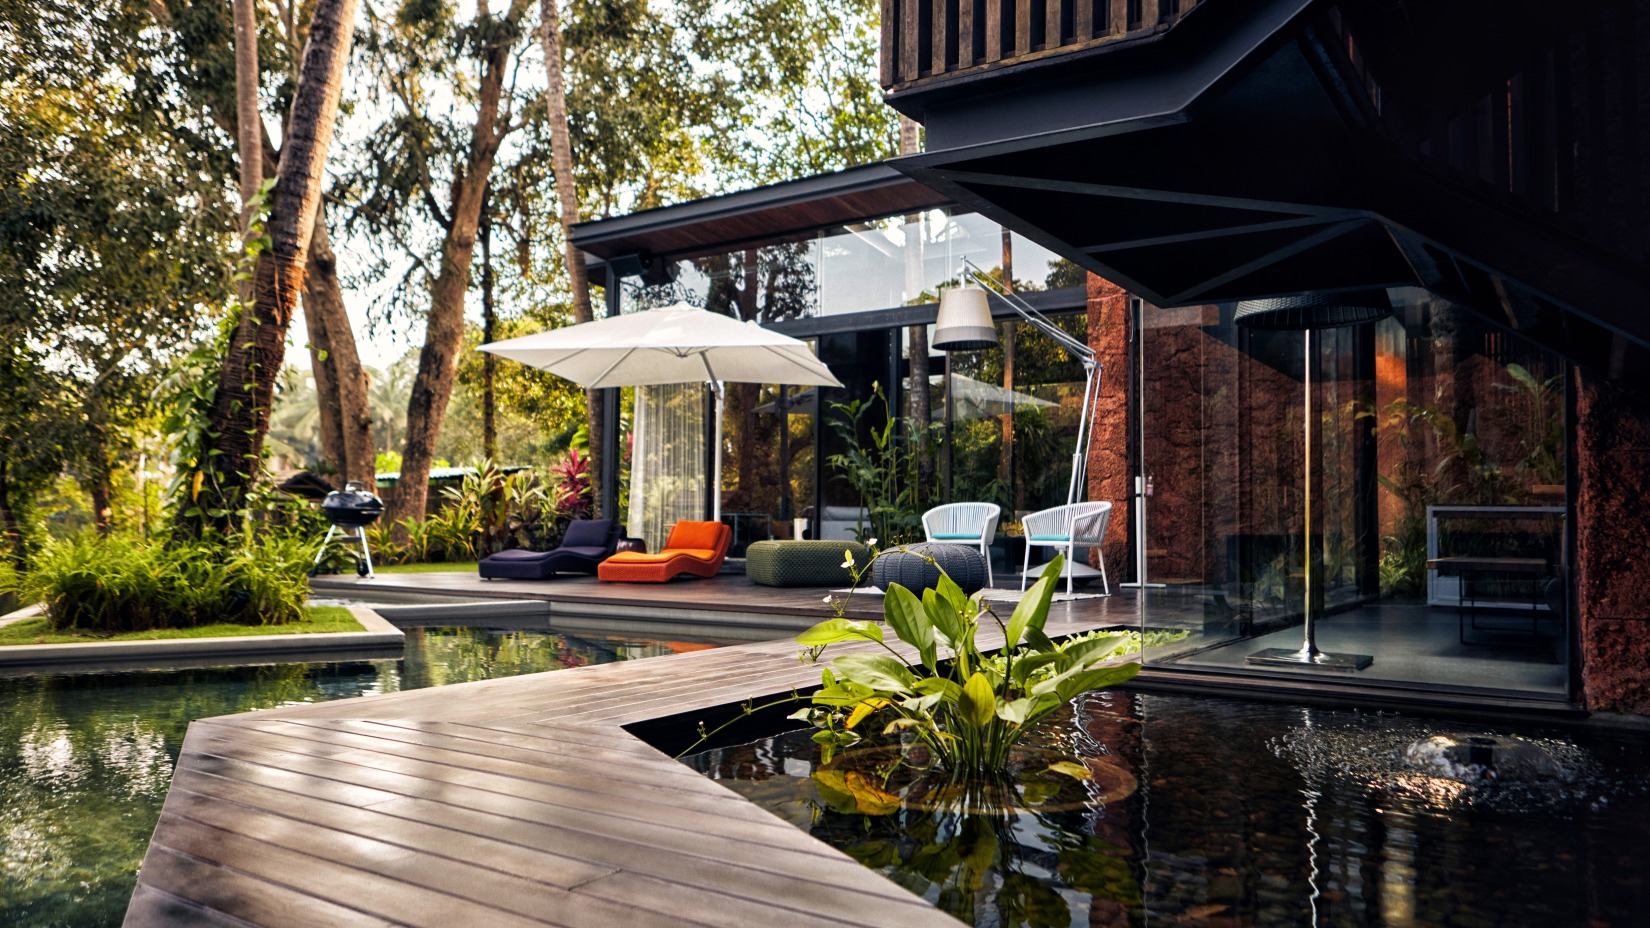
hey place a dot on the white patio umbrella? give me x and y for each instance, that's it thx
(673, 344)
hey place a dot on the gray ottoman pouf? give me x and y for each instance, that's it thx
(911, 569)
(802, 563)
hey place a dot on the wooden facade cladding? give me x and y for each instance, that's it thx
(925, 41)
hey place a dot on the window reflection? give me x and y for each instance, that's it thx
(1438, 436)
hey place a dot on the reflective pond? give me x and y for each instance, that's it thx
(1223, 813)
(85, 758)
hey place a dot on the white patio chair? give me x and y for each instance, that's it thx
(972, 524)
(1069, 527)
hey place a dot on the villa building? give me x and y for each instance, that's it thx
(1135, 170)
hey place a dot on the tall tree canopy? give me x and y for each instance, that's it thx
(112, 240)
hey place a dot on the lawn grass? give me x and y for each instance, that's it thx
(317, 619)
(468, 567)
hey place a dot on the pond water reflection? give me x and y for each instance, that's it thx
(85, 759)
(1252, 814)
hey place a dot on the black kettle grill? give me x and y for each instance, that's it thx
(350, 511)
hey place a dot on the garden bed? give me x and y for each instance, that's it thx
(336, 631)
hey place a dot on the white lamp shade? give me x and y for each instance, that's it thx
(964, 322)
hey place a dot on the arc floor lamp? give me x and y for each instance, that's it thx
(965, 324)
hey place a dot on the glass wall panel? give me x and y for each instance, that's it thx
(1037, 268)
(1000, 405)
(1013, 414)
(769, 283)
(1438, 456)
(901, 260)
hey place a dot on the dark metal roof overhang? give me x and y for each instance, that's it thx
(1234, 158)
(764, 215)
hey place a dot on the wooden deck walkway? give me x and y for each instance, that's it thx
(729, 598)
(518, 801)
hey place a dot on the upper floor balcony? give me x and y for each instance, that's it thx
(930, 43)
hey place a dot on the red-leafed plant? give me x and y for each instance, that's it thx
(572, 491)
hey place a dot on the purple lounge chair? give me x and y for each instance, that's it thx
(587, 543)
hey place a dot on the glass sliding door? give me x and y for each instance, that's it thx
(1438, 454)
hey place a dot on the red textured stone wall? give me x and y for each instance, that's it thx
(1222, 446)
(1109, 475)
(1612, 507)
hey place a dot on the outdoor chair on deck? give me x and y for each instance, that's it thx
(585, 545)
(971, 524)
(695, 548)
(1070, 527)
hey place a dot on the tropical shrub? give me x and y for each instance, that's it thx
(884, 473)
(966, 708)
(572, 492)
(8, 586)
(119, 584)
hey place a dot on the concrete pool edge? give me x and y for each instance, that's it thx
(380, 639)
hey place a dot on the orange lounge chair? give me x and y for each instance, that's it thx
(695, 548)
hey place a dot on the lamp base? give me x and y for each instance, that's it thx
(1301, 657)
(1072, 569)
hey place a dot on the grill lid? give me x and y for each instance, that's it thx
(352, 505)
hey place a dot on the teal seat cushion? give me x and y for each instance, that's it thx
(956, 536)
(1050, 538)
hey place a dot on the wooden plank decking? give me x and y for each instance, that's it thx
(730, 596)
(517, 801)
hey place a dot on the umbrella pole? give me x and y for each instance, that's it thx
(713, 483)
(1308, 654)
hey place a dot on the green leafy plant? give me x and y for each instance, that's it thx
(884, 472)
(1543, 462)
(199, 495)
(120, 584)
(965, 709)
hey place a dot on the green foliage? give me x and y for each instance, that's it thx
(800, 76)
(201, 493)
(114, 221)
(967, 710)
(883, 472)
(315, 620)
(119, 584)
(490, 511)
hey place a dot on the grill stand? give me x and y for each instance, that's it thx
(363, 563)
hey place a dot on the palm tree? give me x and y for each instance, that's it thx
(567, 195)
(239, 418)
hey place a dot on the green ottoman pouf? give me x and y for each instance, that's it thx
(802, 563)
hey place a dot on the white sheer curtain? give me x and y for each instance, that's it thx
(667, 470)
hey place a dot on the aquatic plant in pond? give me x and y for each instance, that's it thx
(966, 711)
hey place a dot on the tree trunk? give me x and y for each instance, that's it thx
(248, 122)
(98, 481)
(489, 324)
(246, 383)
(1005, 464)
(340, 380)
(916, 392)
(444, 326)
(320, 366)
(567, 196)
(9, 527)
